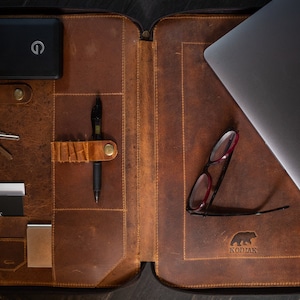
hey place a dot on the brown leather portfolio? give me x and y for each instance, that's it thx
(163, 111)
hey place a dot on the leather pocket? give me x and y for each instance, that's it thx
(12, 243)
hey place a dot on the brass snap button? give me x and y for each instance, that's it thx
(18, 94)
(109, 149)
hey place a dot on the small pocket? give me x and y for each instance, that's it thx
(12, 243)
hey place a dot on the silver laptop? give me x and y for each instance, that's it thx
(259, 63)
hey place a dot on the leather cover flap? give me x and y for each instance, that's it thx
(193, 110)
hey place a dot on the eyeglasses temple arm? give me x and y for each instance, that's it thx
(256, 213)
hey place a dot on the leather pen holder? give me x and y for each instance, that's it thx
(83, 151)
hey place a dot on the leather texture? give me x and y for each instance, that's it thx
(84, 151)
(164, 108)
(15, 93)
(93, 244)
(193, 110)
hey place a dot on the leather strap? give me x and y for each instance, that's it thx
(83, 151)
(15, 93)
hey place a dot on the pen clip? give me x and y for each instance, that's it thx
(96, 117)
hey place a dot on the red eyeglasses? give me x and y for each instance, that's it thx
(198, 200)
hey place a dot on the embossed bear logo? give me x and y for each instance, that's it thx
(243, 238)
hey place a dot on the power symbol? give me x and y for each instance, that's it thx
(37, 47)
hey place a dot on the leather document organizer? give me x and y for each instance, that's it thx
(163, 111)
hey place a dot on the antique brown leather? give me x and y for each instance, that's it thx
(193, 110)
(93, 245)
(164, 108)
(83, 151)
(15, 93)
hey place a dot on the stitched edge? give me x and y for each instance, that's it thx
(184, 168)
(124, 191)
(138, 119)
(156, 129)
(53, 186)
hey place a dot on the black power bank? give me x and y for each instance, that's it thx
(31, 48)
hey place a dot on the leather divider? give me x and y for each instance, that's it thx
(95, 244)
(15, 93)
(147, 152)
(83, 151)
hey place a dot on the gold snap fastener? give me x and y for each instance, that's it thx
(18, 94)
(109, 149)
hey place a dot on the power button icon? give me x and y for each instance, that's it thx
(37, 47)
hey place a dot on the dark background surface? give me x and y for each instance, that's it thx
(145, 13)
(143, 288)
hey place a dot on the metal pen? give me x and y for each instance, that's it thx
(7, 136)
(96, 117)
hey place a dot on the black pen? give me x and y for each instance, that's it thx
(96, 117)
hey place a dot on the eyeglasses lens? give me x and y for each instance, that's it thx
(202, 187)
(224, 146)
(200, 192)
